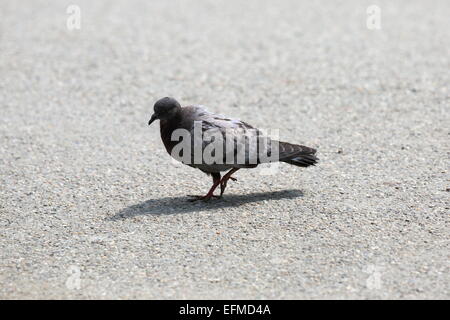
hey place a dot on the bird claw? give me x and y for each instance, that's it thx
(204, 198)
(209, 195)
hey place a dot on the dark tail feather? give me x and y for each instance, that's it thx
(303, 161)
(297, 155)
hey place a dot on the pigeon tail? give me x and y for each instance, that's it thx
(297, 155)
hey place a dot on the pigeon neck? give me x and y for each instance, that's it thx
(167, 127)
(176, 118)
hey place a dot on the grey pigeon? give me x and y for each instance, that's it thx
(232, 148)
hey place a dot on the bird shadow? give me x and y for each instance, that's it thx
(178, 205)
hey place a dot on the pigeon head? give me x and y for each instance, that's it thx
(165, 109)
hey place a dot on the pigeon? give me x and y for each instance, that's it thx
(214, 143)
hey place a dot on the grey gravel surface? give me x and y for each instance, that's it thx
(90, 206)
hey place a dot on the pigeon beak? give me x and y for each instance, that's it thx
(153, 118)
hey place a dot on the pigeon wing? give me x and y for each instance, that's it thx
(236, 138)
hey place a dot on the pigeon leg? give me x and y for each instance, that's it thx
(210, 194)
(226, 177)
